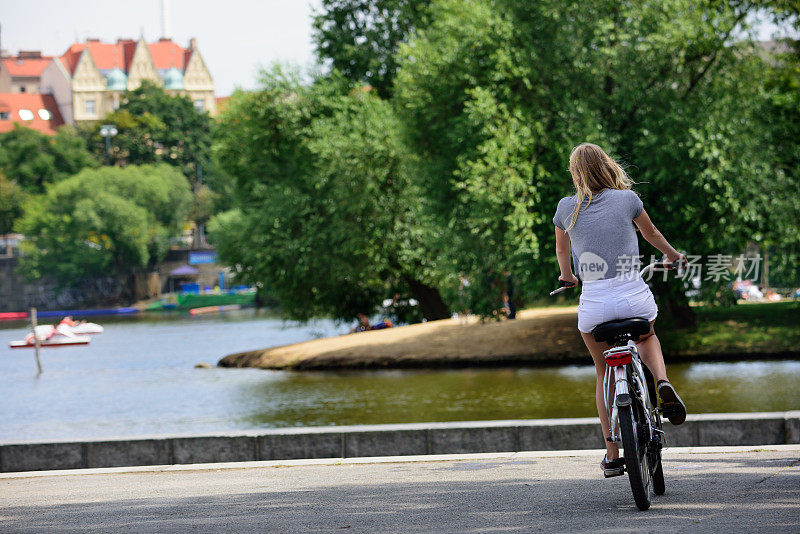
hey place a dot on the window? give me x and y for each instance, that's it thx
(44, 115)
(89, 107)
(3, 115)
(26, 114)
(200, 104)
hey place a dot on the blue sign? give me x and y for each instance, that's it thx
(198, 257)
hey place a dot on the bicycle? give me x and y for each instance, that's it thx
(629, 390)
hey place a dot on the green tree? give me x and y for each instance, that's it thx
(495, 93)
(488, 123)
(779, 118)
(217, 179)
(12, 198)
(326, 216)
(103, 221)
(156, 127)
(32, 159)
(682, 105)
(360, 37)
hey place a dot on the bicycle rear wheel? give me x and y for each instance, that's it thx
(635, 457)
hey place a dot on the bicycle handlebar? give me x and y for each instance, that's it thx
(658, 265)
(664, 265)
(562, 286)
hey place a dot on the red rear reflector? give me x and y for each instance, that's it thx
(618, 358)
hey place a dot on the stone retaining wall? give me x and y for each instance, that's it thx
(387, 440)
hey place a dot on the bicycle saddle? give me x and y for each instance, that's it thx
(612, 330)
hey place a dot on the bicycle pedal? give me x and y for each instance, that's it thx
(610, 473)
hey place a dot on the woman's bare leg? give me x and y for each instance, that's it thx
(596, 349)
(650, 352)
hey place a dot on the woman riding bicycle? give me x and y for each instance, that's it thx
(597, 223)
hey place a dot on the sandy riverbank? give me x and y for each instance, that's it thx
(542, 335)
(537, 336)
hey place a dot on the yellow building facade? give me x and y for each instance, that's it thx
(89, 79)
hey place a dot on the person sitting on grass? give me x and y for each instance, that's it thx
(364, 324)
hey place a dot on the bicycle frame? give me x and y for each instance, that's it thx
(617, 377)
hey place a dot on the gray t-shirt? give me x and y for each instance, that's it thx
(604, 243)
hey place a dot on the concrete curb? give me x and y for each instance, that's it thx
(418, 439)
(524, 455)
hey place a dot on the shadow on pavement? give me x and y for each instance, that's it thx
(696, 500)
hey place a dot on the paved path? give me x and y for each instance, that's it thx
(706, 492)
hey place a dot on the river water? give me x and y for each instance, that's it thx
(138, 378)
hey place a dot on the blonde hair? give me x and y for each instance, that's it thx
(592, 171)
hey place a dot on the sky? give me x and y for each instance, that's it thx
(235, 37)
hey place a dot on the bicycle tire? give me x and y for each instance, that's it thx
(659, 487)
(635, 458)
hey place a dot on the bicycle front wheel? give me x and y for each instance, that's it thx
(635, 458)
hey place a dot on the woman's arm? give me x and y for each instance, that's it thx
(654, 237)
(563, 256)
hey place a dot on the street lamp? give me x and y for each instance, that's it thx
(108, 131)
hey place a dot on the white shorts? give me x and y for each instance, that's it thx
(615, 298)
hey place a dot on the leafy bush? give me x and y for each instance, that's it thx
(103, 221)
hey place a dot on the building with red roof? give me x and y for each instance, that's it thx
(22, 73)
(35, 111)
(89, 79)
(222, 103)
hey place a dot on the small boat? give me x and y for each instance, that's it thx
(59, 341)
(214, 309)
(51, 336)
(69, 326)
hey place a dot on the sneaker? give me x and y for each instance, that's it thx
(613, 468)
(671, 404)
